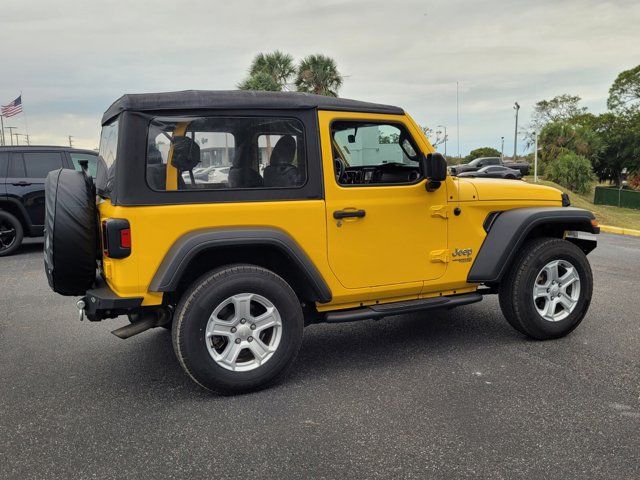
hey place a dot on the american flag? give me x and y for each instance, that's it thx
(13, 108)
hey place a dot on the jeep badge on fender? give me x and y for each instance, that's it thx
(237, 218)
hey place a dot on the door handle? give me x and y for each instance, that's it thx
(21, 183)
(339, 214)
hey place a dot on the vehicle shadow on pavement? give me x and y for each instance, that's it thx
(402, 339)
(334, 350)
(28, 248)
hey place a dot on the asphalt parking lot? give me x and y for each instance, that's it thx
(438, 396)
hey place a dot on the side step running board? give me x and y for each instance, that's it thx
(398, 308)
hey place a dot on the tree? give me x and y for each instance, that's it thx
(577, 136)
(572, 171)
(620, 136)
(560, 108)
(260, 81)
(482, 152)
(318, 74)
(278, 65)
(625, 92)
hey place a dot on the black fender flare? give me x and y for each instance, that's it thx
(25, 220)
(508, 230)
(177, 259)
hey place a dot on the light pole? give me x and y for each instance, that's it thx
(515, 137)
(502, 149)
(2, 130)
(70, 142)
(458, 116)
(11, 129)
(535, 158)
(445, 138)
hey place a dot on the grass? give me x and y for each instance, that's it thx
(606, 215)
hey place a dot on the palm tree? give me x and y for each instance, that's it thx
(260, 81)
(318, 74)
(277, 65)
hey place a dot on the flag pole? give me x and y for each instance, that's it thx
(24, 114)
(2, 126)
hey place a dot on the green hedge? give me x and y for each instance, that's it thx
(609, 196)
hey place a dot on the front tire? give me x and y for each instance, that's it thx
(238, 329)
(547, 292)
(11, 234)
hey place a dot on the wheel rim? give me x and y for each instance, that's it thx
(7, 235)
(243, 332)
(556, 290)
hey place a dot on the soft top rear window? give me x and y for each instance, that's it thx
(107, 158)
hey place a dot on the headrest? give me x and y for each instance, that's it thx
(284, 151)
(186, 153)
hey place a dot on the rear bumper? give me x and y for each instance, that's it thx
(101, 302)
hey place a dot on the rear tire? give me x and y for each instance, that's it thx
(11, 234)
(238, 329)
(547, 291)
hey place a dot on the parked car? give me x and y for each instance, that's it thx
(340, 226)
(219, 175)
(493, 171)
(478, 163)
(22, 173)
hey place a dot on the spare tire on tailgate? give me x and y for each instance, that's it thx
(70, 232)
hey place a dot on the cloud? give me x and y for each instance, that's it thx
(71, 59)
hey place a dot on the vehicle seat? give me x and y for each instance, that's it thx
(241, 175)
(281, 172)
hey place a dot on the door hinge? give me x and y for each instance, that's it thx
(439, 211)
(441, 256)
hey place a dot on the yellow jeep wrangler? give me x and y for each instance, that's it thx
(236, 218)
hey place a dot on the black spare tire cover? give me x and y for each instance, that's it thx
(70, 232)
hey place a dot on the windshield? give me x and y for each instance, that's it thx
(107, 158)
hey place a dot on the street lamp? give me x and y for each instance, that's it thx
(515, 139)
(535, 157)
(502, 149)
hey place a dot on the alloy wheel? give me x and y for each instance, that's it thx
(556, 290)
(243, 332)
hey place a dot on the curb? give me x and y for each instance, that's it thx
(619, 231)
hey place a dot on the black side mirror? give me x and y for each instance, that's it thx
(434, 168)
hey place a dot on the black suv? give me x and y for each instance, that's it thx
(22, 173)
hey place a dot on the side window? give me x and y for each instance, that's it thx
(492, 161)
(16, 166)
(225, 153)
(373, 153)
(91, 159)
(39, 164)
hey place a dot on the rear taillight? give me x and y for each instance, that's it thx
(116, 238)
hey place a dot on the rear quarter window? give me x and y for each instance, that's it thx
(91, 159)
(39, 164)
(4, 159)
(107, 155)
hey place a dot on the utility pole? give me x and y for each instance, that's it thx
(535, 158)
(502, 150)
(17, 135)
(28, 141)
(515, 138)
(70, 142)
(11, 129)
(458, 116)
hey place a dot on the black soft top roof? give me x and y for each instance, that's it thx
(239, 99)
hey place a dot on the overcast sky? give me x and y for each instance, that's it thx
(72, 59)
